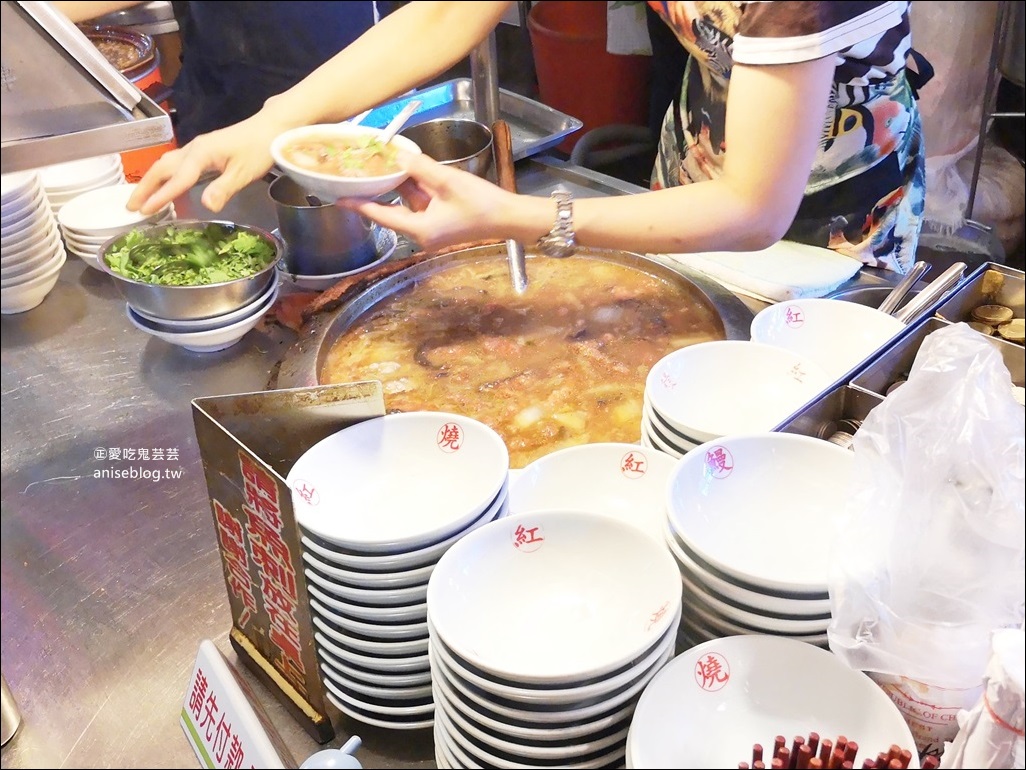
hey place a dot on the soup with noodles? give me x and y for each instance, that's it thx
(563, 364)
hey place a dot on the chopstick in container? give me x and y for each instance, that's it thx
(815, 753)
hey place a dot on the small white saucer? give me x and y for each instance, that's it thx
(385, 242)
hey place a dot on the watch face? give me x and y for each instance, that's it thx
(556, 247)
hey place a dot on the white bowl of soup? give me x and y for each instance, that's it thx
(335, 161)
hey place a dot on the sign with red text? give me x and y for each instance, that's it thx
(218, 719)
(248, 443)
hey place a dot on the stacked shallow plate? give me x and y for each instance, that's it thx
(750, 520)
(544, 629)
(63, 182)
(32, 252)
(93, 217)
(378, 504)
(717, 388)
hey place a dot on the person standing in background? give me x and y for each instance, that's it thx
(236, 55)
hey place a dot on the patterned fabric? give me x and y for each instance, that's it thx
(865, 192)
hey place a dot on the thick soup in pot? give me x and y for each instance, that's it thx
(355, 156)
(562, 365)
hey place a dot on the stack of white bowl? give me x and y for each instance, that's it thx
(93, 217)
(751, 522)
(545, 627)
(32, 252)
(717, 388)
(206, 335)
(378, 504)
(64, 181)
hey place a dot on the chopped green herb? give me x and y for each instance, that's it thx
(190, 256)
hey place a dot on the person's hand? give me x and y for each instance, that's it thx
(444, 206)
(239, 154)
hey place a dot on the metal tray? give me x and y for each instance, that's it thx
(820, 417)
(895, 363)
(989, 284)
(534, 127)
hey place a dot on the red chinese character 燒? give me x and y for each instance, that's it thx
(450, 437)
(711, 672)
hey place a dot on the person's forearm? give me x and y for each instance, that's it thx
(710, 216)
(83, 10)
(404, 50)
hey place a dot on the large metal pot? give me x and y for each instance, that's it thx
(302, 364)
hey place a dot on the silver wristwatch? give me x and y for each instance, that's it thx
(560, 241)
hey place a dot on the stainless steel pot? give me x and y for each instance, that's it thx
(320, 237)
(302, 363)
(459, 142)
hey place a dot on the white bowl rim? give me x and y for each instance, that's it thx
(720, 583)
(565, 692)
(586, 745)
(197, 337)
(53, 269)
(647, 751)
(452, 633)
(539, 712)
(746, 577)
(494, 721)
(527, 490)
(368, 676)
(395, 529)
(660, 401)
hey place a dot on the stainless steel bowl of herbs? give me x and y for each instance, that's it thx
(192, 269)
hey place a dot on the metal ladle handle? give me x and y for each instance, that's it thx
(898, 293)
(933, 291)
(505, 173)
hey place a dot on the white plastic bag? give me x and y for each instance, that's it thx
(931, 548)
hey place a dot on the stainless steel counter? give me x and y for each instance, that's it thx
(110, 584)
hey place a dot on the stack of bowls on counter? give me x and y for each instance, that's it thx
(32, 252)
(378, 504)
(836, 334)
(622, 480)
(202, 317)
(724, 703)
(92, 218)
(63, 182)
(544, 629)
(717, 388)
(751, 523)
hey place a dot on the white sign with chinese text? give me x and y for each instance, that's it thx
(218, 719)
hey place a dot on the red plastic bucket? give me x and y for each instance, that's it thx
(577, 76)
